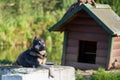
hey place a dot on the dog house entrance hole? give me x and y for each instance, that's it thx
(87, 51)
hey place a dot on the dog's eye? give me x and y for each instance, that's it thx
(42, 43)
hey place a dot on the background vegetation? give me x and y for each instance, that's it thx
(21, 20)
(101, 74)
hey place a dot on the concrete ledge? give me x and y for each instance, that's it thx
(59, 73)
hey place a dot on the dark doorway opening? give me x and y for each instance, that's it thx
(87, 51)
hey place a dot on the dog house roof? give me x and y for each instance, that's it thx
(102, 14)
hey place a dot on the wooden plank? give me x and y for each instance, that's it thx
(71, 57)
(116, 45)
(83, 65)
(101, 60)
(72, 50)
(73, 43)
(91, 29)
(84, 16)
(82, 13)
(101, 53)
(85, 21)
(102, 45)
(88, 36)
(116, 52)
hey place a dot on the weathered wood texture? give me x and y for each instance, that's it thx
(115, 58)
(88, 36)
(71, 57)
(72, 50)
(84, 27)
(101, 60)
(102, 45)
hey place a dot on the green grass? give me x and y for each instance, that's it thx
(101, 74)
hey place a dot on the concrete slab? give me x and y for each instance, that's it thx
(59, 73)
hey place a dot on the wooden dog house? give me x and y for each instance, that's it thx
(91, 37)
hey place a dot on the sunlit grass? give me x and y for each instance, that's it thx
(100, 74)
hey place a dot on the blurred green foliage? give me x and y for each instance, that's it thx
(22, 20)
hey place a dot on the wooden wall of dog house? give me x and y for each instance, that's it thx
(102, 53)
(116, 47)
(83, 27)
(88, 36)
(72, 50)
(84, 23)
(83, 18)
(116, 52)
(95, 33)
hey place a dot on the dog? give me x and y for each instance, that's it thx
(35, 56)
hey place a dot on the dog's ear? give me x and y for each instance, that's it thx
(42, 40)
(35, 37)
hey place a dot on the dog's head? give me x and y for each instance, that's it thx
(38, 44)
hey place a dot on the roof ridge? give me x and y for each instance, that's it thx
(101, 6)
(98, 6)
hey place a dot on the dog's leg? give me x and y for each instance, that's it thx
(49, 68)
(32, 63)
(44, 61)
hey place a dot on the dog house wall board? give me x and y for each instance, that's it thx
(91, 37)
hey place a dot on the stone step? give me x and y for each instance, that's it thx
(59, 73)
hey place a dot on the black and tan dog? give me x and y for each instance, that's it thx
(35, 56)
